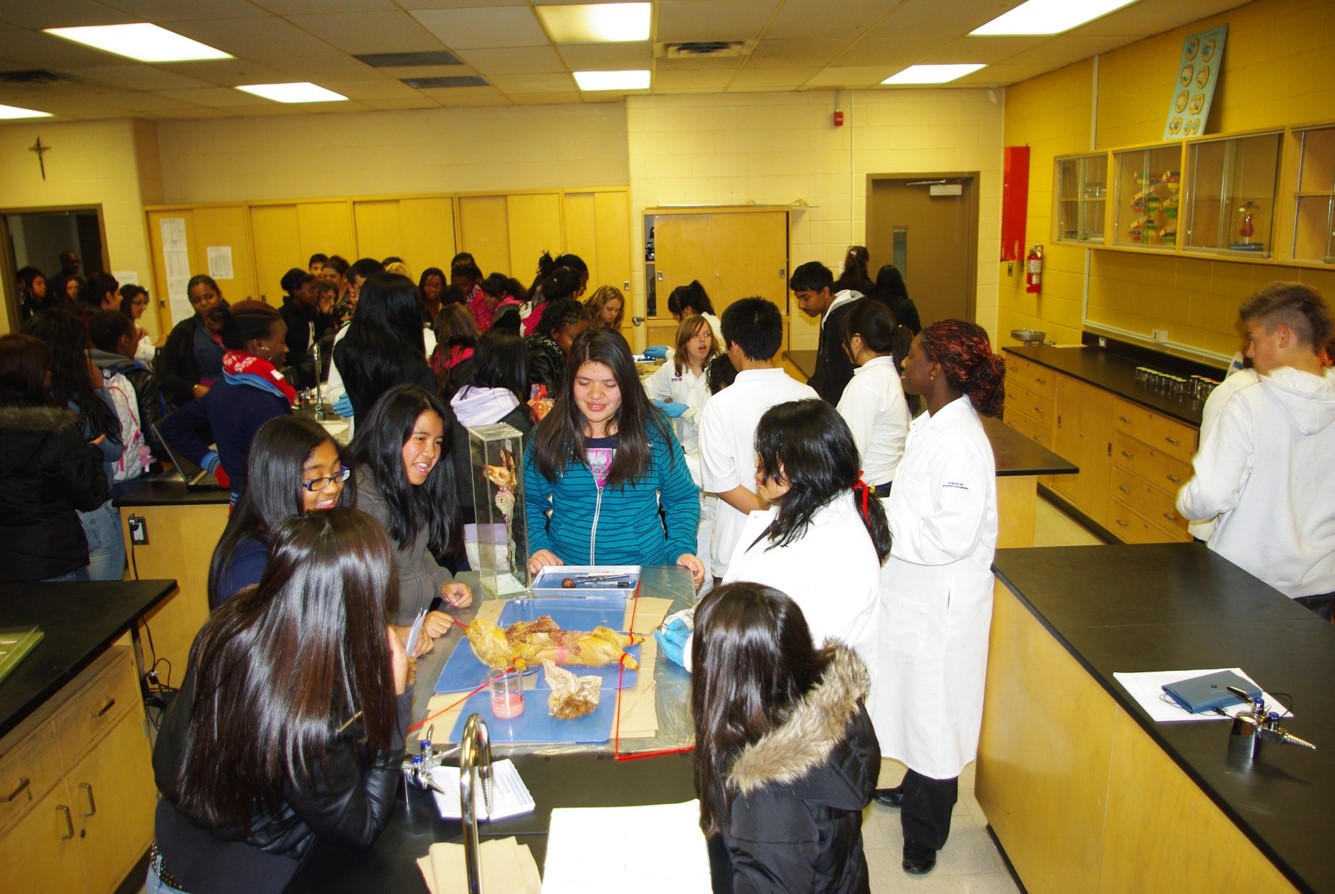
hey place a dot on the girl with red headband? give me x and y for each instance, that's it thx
(937, 596)
(824, 538)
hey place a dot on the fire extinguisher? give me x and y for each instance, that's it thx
(1033, 269)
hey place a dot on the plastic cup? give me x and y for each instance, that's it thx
(507, 692)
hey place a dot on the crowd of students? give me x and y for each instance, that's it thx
(841, 541)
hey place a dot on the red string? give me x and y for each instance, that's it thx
(861, 489)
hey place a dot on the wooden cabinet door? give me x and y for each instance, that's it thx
(597, 228)
(484, 230)
(276, 231)
(225, 226)
(113, 799)
(426, 232)
(41, 852)
(1083, 435)
(751, 258)
(325, 227)
(534, 224)
(379, 229)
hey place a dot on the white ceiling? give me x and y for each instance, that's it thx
(787, 45)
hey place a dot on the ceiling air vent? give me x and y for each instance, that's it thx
(32, 76)
(696, 49)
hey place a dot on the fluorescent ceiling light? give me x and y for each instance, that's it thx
(596, 22)
(147, 43)
(613, 80)
(931, 74)
(301, 91)
(8, 113)
(1049, 16)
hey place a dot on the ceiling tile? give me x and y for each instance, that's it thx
(894, 53)
(930, 21)
(216, 97)
(303, 7)
(368, 32)
(464, 29)
(839, 19)
(544, 99)
(371, 90)
(772, 78)
(165, 11)
(849, 77)
(139, 76)
(63, 14)
(683, 21)
(537, 82)
(228, 72)
(982, 49)
(607, 56)
(268, 36)
(325, 68)
(806, 53)
(36, 50)
(515, 60)
(692, 81)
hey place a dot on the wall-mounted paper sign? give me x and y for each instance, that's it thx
(176, 263)
(1193, 88)
(220, 261)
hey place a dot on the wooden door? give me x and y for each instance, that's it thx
(938, 241)
(534, 224)
(379, 229)
(276, 230)
(225, 227)
(597, 228)
(426, 231)
(325, 227)
(484, 230)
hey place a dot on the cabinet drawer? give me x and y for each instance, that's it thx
(1041, 432)
(1160, 469)
(1160, 432)
(1147, 499)
(1028, 374)
(26, 773)
(1029, 402)
(111, 691)
(1132, 527)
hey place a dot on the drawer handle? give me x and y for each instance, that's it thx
(1124, 419)
(92, 805)
(1174, 441)
(1120, 522)
(111, 703)
(1128, 454)
(1174, 479)
(1040, 380)
(1124, 489)
(69, 822)
(23, 786)
(1171, 517)
(1038, 410)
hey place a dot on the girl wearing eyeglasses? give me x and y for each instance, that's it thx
(294, 468)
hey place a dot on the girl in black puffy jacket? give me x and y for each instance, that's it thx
(48, 472)
(786, 755)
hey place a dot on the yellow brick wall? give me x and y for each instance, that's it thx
(780, 148)
(1278, 70)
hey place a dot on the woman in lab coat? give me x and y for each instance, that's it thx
(936, 590)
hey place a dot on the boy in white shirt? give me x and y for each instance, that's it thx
(1263, 467)
(752, 334)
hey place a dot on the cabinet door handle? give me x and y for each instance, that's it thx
(1174, 479)
(1174, 441)
(69, 822)
(92, 805)
(22, 787)
(1120, 522)
(111, 703)
(1124, 419)
(1124, 489)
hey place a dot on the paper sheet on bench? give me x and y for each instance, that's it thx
(1147, 689)
(588, 846)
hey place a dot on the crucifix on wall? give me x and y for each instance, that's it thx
(41, 151)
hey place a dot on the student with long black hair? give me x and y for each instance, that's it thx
(824, 538)
(385, 345)
(289, 726)
(294, 467)
(786, 757)
(873, 402)
(405, 481)
(77, 384)
(603, 465)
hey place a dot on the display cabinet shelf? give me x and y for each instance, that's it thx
(1080, 199)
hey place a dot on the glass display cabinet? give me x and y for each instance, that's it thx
(1080, 198)
(1231, 194)
(1148, 185)
(1314, 203)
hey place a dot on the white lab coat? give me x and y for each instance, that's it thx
(936, 594)
(683, 388)
(873, 405)
(831, 572)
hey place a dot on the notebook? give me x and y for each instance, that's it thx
(1205, 693)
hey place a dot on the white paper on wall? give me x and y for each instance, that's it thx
(176, 261)
(220, 261)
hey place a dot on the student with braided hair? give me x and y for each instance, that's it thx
(936, 590)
